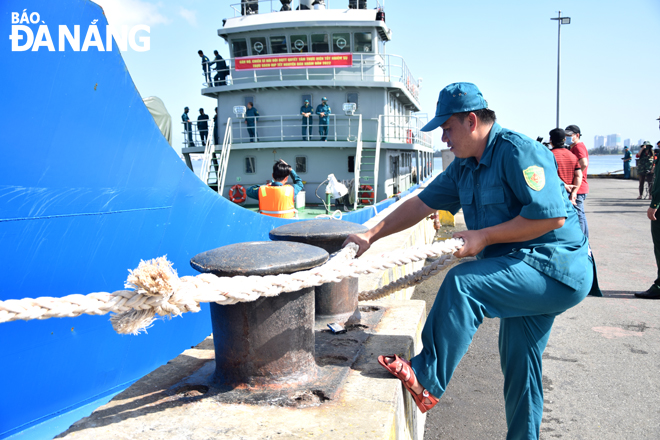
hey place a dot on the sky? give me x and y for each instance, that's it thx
(609, 57)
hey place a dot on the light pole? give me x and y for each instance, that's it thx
(560, 20)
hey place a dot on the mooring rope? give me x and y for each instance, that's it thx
(159, 291)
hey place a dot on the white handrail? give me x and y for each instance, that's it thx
(208, 153)
(379, 138)
(394, 69)
(357, 164)
(224, 157)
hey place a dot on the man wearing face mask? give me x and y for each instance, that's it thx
(580, 150)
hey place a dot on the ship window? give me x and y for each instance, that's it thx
(278, 44)
(250, 165)
(247, 99)
(308, 97)
(341, 42)
(320, 43)
(239, 48)
(258, 46)
(351, 164)
(362, 42)
(352, 97)
(299, 44)
(301, 164)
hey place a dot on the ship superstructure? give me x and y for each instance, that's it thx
(279, 59)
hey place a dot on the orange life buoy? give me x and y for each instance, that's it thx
(237, 194)
(367, 192)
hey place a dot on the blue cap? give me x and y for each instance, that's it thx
(456, 98)
(324, 99)
(307, 101)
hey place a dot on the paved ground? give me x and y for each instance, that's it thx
(602, 365)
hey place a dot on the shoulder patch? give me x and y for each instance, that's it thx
(535, 177)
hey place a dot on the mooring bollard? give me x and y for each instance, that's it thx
(269, 341)
(335, 302)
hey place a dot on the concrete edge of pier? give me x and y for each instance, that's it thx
(371, 404)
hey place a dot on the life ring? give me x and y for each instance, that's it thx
(237, 194)
(368, 193)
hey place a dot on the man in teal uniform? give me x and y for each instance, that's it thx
(306, 111)
(627, 157)
(206, 68)
(533, 261)
(323, 110)
(187, 126)
(251, 119)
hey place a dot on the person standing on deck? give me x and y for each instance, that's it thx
(306, 111)
(206, 68)
(215, 127)
(221, 69)
(251, 118)
(568, 168)
(533, 261)
(627, 157)
(187, 126)
(277, 199)
(203, 126)
(580, 150)
(323, 110)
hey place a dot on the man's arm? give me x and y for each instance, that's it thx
(513, 231)
(584, 163)
(297, 182)
(408, 214)
(577, 181)
(253, 192)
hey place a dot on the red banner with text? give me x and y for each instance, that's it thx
(293, 61)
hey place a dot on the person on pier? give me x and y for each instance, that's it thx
(568, 167)
(533, 261)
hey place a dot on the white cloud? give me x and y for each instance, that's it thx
(189, 16)
(132, 12)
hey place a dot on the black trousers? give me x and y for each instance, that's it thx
(655, 235)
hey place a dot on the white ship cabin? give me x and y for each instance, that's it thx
(285, 52)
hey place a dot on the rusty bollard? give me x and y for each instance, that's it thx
(335, 302)
(270, 341)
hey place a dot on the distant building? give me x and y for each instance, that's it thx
(626, 143)
(613, 140)
(640, 142)
(599, 141)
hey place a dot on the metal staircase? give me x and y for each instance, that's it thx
(366, 169)
(214, 165)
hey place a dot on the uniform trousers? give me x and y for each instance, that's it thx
(655, 235)
(526, 301)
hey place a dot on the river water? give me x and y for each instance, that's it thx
(597, 164)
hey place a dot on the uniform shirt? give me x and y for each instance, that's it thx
(567, 163)
(253, 191)
(580, 151)
(251, 116)
(516, 176)
(323, 108)
(186, 119)
(220, 63)
(202, 124)
(205, 61)
(306, 109)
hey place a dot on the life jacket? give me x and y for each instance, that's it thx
(277, 201)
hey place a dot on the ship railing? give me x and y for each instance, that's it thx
(251, 7)
(405, 129)
(193, 137)
(341, 128)
(365, 67)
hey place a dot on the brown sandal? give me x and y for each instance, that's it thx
(401, 369)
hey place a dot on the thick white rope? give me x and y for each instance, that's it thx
(159, 291)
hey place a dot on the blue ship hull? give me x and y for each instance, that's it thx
(88, 188)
